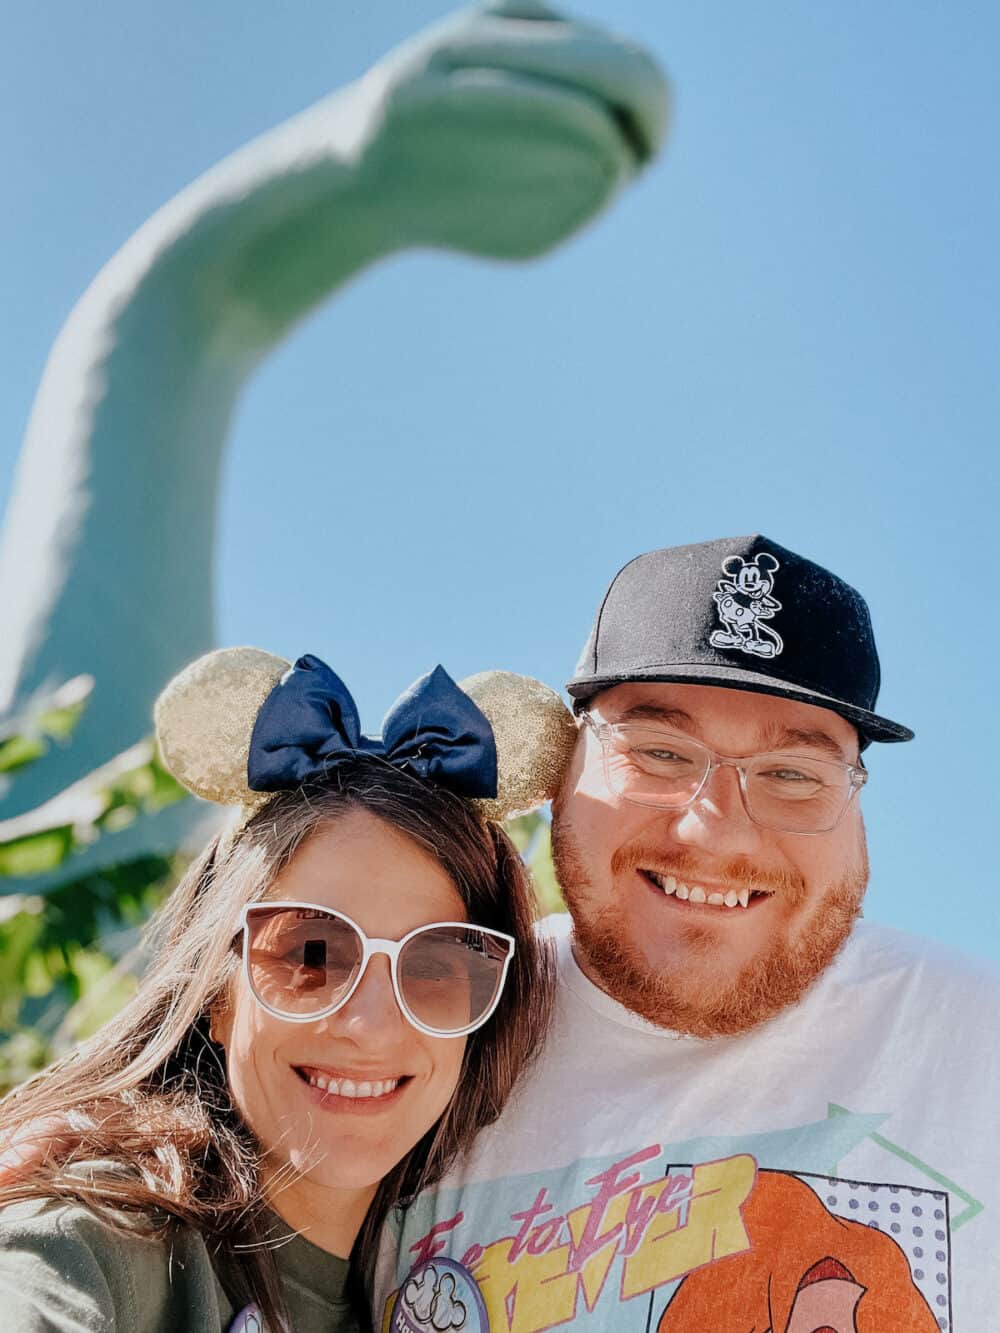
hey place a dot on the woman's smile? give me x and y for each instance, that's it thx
(352, 1095)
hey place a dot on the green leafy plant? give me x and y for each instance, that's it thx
(52, 719)
(531, 834)
(69, 959)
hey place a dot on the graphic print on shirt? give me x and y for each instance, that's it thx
(647, 1242)
(743, 602)
(811, 1268)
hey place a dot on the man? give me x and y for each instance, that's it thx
(738, 1068)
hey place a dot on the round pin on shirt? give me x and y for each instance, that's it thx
(249, 1320)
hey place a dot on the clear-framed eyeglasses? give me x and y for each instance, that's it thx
(791, 793)
(303, 962)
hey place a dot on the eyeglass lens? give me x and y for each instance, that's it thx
(790, 792)
(304, 961)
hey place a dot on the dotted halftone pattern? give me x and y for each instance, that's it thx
(916, 1219)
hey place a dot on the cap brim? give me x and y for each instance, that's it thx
(870, 725)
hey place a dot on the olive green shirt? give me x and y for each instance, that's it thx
(65, 1270)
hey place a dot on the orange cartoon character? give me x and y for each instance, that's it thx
(807, 1271)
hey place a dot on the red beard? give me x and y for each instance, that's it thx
(707, 1001)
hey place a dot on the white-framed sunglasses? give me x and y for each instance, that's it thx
(302, 962)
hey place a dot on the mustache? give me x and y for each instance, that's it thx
(683, 865)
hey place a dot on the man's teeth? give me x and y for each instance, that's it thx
(346, 1087)
(694, 893)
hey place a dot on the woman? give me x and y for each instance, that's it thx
(344, 989)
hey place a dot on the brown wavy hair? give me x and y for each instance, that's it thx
(148, 1092)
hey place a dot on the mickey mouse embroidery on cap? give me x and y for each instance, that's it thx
(743, 602)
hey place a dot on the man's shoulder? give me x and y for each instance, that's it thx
(874, 943)
(556, 927)
(876, 953)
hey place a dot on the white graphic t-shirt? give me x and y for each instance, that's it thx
(837, 1170)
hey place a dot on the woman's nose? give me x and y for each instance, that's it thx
(372, 1011)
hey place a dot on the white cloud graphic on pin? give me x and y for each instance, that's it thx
(447, 1311)
(419, 1294)
(431, 1299)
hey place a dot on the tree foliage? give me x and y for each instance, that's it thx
(69, 958)
(531, 835)
(51, 720)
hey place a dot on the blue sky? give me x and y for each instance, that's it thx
(790, 325)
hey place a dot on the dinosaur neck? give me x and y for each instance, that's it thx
(106, 565)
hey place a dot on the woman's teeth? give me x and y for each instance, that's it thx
(346, 1087)
(694, 893)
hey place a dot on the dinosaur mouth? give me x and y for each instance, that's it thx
(633, 132)
(626, 123)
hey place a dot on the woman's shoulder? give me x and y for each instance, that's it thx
(54, 1221)
(65, 1266)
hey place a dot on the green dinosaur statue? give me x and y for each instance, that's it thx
(498, 133)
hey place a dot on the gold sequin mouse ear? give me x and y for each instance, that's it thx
(205, 718)
(534, 733)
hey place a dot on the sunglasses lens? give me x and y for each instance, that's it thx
(301, 961)
(450, 976)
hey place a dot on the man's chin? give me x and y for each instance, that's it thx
(714, 994)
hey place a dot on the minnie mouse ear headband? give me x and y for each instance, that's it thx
(239, 725)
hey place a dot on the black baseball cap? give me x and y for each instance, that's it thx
(744, 613)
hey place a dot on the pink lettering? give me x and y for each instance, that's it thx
(637, 1216)
(643, 1206)
(676, 1195)
(545, 1235)
(472, 1256)
(428, 1246)
(527, 1218)
(610, 1184)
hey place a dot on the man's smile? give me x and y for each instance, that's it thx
(699, 895)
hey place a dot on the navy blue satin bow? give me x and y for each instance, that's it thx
(309, 723)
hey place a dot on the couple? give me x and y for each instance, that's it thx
(740, 1110)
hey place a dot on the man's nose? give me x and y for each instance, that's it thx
(717, 819)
